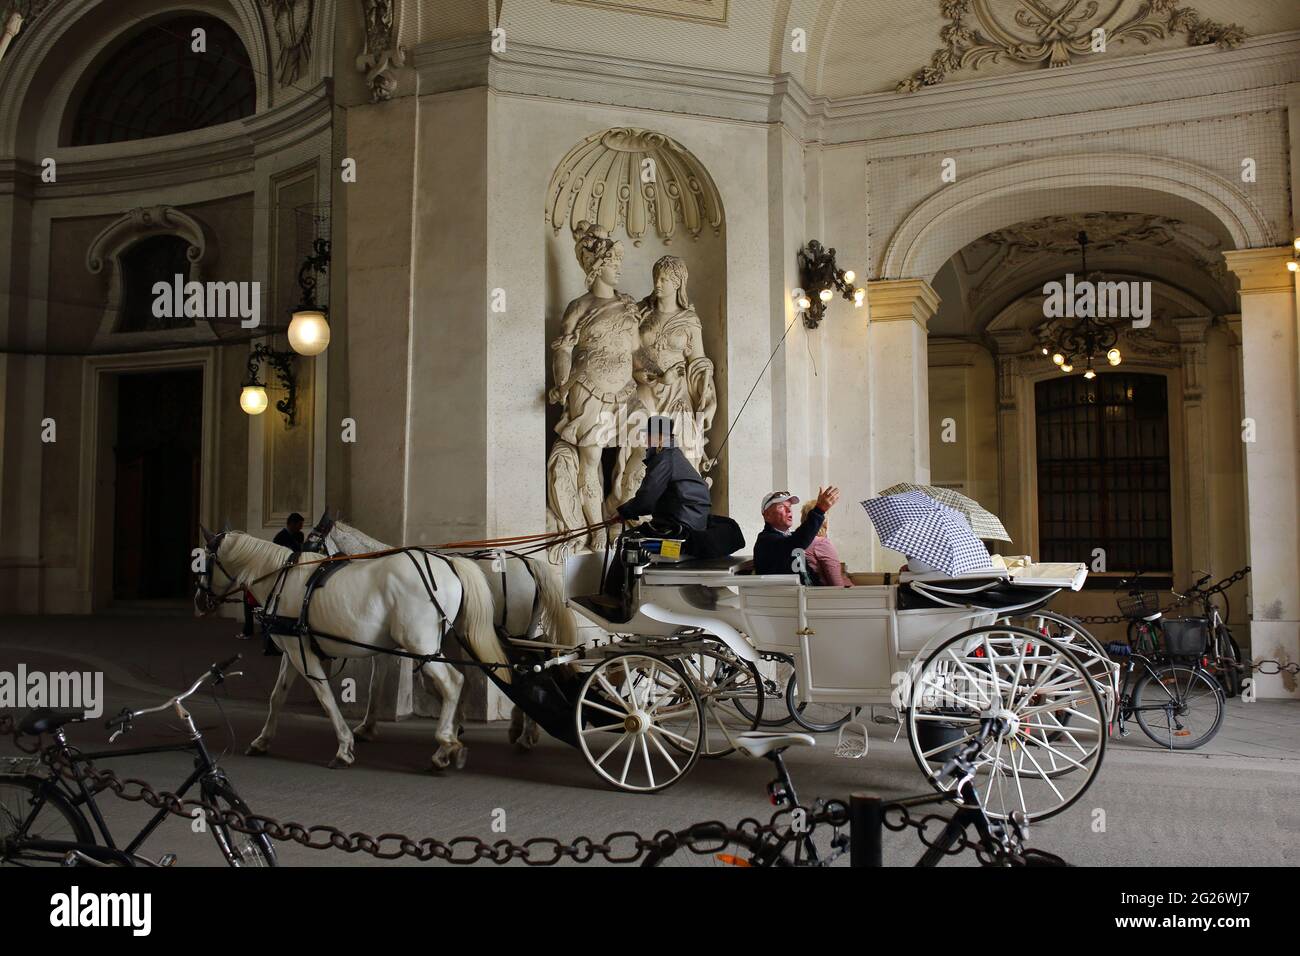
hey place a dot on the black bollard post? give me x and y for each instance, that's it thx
(866, 830)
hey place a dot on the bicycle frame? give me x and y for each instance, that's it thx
(79, 795)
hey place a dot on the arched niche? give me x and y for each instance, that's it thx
(650, 193)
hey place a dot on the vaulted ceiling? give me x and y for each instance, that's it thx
(856, 47)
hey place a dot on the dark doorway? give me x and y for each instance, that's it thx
(156, 506)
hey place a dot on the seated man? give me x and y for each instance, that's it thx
(775, 547)
(672, 491)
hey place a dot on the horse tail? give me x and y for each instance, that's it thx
(476, 615)
(557, 621)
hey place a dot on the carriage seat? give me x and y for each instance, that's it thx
(758, 744)
(43, 720)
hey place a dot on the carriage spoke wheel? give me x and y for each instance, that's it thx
(1066, 630)
(639, 722)
(1056, 718)
(731, 694)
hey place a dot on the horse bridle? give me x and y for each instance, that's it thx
(203, 579)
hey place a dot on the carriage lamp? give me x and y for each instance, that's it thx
(309, 329)
(252, 396)
(823, 279)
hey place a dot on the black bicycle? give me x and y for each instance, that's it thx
(804, 843)
(43, 812)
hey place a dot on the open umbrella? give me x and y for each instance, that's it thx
(983, 522)
(936, 535)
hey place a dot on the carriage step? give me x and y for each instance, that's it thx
(852, 741)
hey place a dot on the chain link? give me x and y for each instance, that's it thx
(1223, 585)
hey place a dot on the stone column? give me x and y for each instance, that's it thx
(1191, 335)
(1014, 507)
(898, 310)
(1271, 381)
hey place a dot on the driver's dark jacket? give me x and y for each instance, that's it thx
(671, 490)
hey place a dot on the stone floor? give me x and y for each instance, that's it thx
(1232, 802)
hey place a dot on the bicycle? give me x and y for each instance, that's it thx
(43, 813)
(1224, 652)
(715, 843)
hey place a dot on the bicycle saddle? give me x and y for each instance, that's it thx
(42, 720)
(758, 744)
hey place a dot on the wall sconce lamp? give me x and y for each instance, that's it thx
(252, 397)
(309, 329)
(821, 279)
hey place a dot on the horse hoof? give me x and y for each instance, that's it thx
(339, 764)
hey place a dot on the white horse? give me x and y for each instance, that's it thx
(526, 598)
(382, 602)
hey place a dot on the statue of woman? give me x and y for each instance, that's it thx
(673, 375)
(593, 379)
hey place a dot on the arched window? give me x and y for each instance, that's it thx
(149, 261)
(1103, 470)
(154, 84)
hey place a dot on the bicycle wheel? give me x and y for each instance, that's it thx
(713, 845)
(1178, 706)
(1227, 661)
(818, 718)
(731, 697)
(775, 712)
(57, 819)
(239, 849)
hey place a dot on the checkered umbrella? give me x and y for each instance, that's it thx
(927, 531)
(983, 522)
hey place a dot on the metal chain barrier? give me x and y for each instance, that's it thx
(621, 847)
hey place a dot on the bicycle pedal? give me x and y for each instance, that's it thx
(167, 859)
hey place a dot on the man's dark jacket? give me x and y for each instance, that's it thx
(293, 540)
(774, 551)
(671, 489)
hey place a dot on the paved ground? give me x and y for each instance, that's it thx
(1234, 802)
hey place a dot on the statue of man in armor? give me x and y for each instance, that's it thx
(593, 384)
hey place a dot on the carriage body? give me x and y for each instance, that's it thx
(942, 651)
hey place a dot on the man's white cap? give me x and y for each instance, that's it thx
(775, 498)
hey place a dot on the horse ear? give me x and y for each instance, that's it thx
(208, 536)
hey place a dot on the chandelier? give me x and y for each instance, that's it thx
(1087, 340)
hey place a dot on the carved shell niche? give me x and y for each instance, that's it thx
(606, 179)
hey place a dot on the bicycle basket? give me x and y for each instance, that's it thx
(1140, 605)
(1187, 637)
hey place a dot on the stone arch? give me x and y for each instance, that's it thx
(39, 77)
(962, 212)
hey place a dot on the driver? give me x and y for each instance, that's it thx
(672, 491)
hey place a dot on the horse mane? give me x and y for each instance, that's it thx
(249, 552)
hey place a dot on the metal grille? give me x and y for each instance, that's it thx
(1103, 470)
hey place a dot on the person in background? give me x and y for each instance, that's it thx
(291, 536)
(823, 560)
(776, 544)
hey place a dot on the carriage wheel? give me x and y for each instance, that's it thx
(639, 722)
(731, 696)
(1066, 630)
(1056, 718)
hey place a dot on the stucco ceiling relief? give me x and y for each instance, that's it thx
(1054, 32)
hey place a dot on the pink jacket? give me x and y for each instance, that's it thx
(824, 561)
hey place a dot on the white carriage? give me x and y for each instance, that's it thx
(707, 652)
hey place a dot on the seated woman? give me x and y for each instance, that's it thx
(823, 560)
